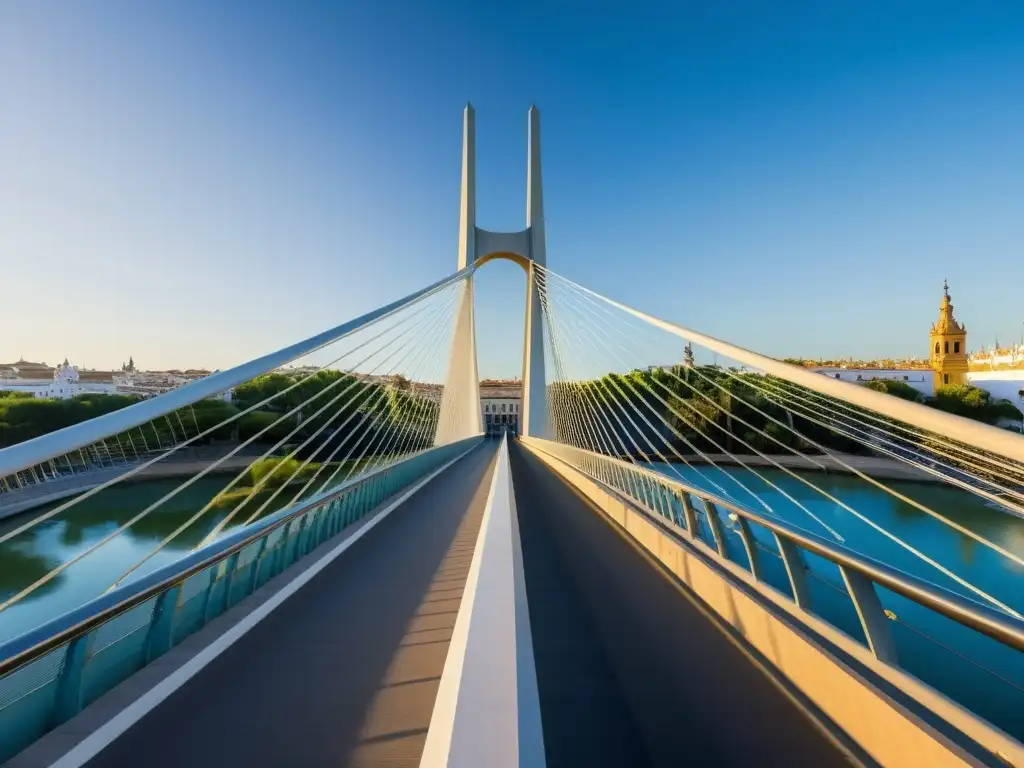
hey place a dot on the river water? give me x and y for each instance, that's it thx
(932, 647)
(929, 645)
(29, 556)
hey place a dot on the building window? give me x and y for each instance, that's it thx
(837, 375)
(906, 378)
(945, 378)
(502, 407)
(945, 347)
(487, 409)
(956, 347)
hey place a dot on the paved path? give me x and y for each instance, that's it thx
(630, 673)
(345, 672)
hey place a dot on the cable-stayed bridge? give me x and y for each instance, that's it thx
(708, 562)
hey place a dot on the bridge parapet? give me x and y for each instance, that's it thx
(50, 674)
(754, 573)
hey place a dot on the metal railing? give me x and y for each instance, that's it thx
(49, 674)
(752, 539)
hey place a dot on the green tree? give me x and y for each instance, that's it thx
(896, 388)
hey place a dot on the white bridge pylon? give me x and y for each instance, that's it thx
(460, 405)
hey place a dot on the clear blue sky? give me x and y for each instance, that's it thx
(195, 183)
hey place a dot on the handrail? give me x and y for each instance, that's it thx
(45, 447)
(988, 621)
(37, 642)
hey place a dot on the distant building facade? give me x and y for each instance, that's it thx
(501, 406)
(919, 379)
(65, 382)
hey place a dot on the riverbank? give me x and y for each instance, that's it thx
(25, 499)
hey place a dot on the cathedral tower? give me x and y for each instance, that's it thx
(948, 341)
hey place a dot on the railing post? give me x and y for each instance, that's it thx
(277, 563)
(257, 564)
(229, 579)
(750, 545)
(795, 570)
(689, 516)
(872, 616)
(716, 527)
(161, 626)
(68, 702)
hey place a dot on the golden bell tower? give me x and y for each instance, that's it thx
(948, 341)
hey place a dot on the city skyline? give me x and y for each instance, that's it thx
(211, 185)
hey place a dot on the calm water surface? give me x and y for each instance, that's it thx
(932, 647)
(29, 556)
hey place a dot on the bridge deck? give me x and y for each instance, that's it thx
(345, 672)
(629, 671)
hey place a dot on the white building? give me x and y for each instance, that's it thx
(919, 379)
(66, 383)
(500, 406)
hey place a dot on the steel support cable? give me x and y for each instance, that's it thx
(626, 452)
(845, 423)
(352, 382)
(711, 482)
(294, 474)
(188, 482)
(398, 439)
(976, 434)
(703, 455)
(337, 449)
(581, 429)
(141, 467)
(888, 427)
(839, 461)
(864, 438)
(410, 345)
(576, 423)
(209, 505)
(598, 410)
(426, 352)
(906, 499)
(844, 428)
(654, 501)
(938, 566)
(419, 412)
(692, 425)
(917, 433)
(587, 302)
(577, 428)
(405, 440)
(39, 449)
(768, 482)
(568, 422)
(599, 322)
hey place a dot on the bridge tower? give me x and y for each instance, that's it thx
(460, 405)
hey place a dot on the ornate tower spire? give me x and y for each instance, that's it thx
(948, 340)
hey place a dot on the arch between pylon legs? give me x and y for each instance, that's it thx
(534, 417)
